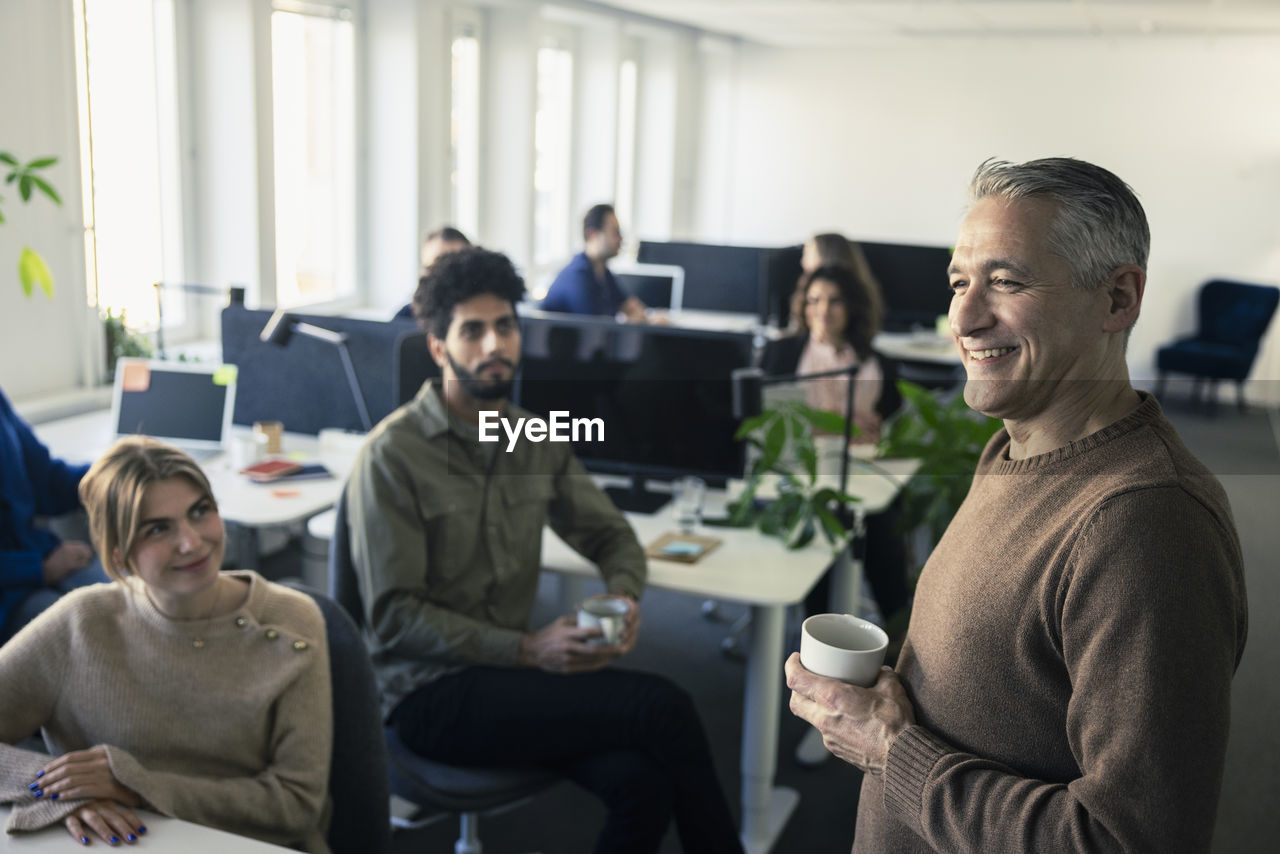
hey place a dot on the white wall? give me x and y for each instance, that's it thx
(879, 143)
(46, 345)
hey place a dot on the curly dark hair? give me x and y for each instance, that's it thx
(861, 323)
(457, 277)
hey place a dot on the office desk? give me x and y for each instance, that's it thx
(164, 834)
(83, 438)
(917, 347)
(762, 573)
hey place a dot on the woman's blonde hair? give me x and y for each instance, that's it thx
(113, 491)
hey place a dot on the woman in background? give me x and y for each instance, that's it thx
(835, 250)
(836, 318)
(199, 694)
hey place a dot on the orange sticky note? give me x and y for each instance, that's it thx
(137, 377)
(286, 493)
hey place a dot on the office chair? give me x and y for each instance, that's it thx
(1232, 318)
(411, 366)
(466, 791)
(358, 780)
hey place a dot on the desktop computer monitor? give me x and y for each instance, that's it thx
(914, 282)
(664, 395)
(716, 278)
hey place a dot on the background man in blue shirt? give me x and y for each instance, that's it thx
(35, 566)
(586, 286)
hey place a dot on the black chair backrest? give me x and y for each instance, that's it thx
(1236, 312)
(359, 783)
(344, 587)
(412, 366)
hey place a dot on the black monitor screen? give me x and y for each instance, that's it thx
(663, 394)
(782, 274)
(716, 278)
(652, 290)
(914, 281)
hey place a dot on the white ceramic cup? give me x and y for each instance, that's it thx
(844, 647)
(608, 613)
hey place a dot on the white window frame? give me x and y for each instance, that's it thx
(470, 21)
(351, 10)
(558, 37)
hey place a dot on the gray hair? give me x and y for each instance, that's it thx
(1100, 224)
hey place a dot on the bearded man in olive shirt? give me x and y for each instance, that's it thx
(1065, 683)
(446, 538)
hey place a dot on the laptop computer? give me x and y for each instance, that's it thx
(187, 404)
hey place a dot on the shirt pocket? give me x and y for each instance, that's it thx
(523, 514)
(451, 526)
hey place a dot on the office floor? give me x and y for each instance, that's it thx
(1243, 450)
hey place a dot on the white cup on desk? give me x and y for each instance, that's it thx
(844, 647)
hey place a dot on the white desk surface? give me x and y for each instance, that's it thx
(917, 347)
(163, 834)
(83, 438)
(747, 566)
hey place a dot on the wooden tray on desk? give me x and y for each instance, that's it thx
(656, 548)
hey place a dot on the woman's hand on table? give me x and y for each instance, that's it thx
(83, 774)
(110, 821)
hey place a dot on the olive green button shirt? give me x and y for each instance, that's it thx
(446, 539)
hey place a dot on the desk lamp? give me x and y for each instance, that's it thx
(235, 293)
(282, 326)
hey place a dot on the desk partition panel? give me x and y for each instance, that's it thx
(302, 384)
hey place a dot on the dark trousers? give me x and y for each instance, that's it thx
(632, 739)
(885, 566)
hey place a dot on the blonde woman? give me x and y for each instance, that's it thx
(179, 688)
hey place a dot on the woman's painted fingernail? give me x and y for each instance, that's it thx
(115, 840)
(131, 838)
(39, 792)
(142, 828)
(39, 774)
(84, 840)
(54, 796)
(34, 786)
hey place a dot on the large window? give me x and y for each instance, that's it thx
(464, 131)
(126, 59)
(624, 191)
(313, 76)
(552, 140)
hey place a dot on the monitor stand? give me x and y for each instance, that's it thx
(635, 498)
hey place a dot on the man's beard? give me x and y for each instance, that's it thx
(480, 389)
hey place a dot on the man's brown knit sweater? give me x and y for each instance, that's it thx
(236, 734)
(1070, 657)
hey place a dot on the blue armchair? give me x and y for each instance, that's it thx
(1232, 319)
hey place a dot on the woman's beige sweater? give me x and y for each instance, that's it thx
(235, 734)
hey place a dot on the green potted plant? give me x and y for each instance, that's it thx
(947, 437)
(120, 341)
(32, 269)
(782, 439)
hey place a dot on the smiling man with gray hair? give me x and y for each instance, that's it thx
(1065, 684)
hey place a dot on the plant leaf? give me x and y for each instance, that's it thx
(46, 189)
(6, 157)
(752, 424)
(24, 188)
(41, 163)
(33, 271)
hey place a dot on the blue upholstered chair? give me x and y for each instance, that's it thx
(465, 791)
(360, 823)
(1232, 319)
